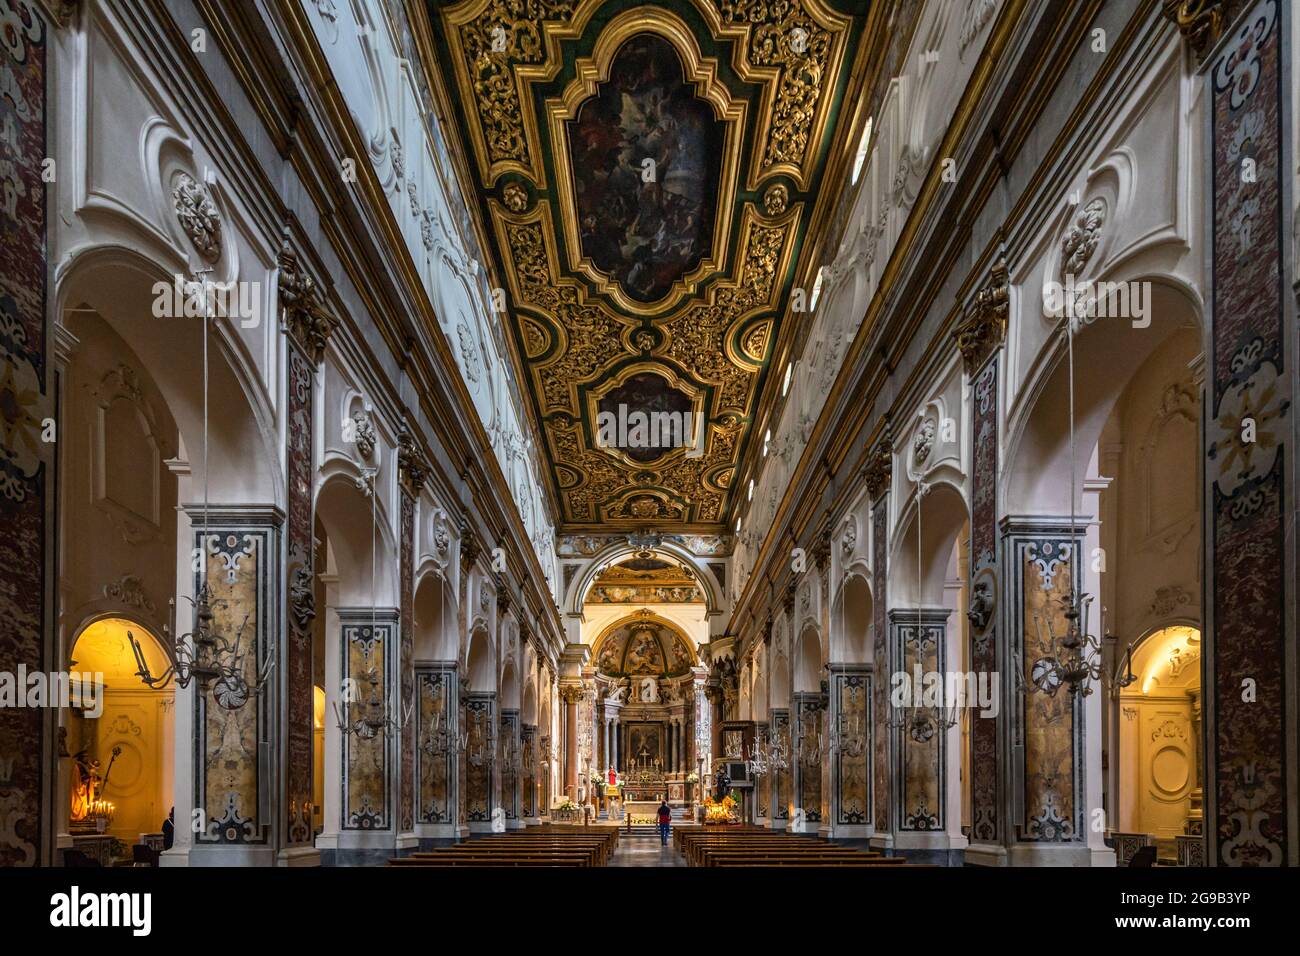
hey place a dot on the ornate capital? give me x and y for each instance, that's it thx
(411, 469)
(571, 693)
(880, 468)
(302, 314)
(821, 549)
(468, 544)
(1201, 22)
(787, 599)
(503, 595)
(985, 324)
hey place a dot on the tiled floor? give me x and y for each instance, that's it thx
(638, 849)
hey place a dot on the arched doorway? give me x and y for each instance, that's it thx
(1160, 776)
(122, 743)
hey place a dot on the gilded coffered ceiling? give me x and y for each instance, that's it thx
(647, 175)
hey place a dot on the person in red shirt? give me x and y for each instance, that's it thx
(665, 820)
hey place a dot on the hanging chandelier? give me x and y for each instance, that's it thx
(1074, 657)
(207, 653)
(367, 719)
(918, 720)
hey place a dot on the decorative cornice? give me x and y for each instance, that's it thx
(302, 314)
(985, 324)
(1201, 22)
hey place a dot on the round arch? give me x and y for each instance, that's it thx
(808, 661)
(613, 554)
(648, 618)
(480, 675)
(852, 619)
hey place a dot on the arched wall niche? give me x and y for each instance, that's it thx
(344, 511)
(509, 686)
(1038, 455)
(528, 712)
(943, 519)
(117, 284)
(853, 620)
(479, 669)
(436, 619)
(808, 671)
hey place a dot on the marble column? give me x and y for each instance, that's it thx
(571, 696)
(27, 548)
(1251, 498)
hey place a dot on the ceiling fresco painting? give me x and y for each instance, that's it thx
(645, 581)
(645, 158)
(646, 174)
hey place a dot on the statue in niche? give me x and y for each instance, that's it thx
(721, 784)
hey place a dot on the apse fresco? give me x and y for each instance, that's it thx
(646, 233)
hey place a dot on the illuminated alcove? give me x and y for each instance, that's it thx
(1160, 737)
(122, 745)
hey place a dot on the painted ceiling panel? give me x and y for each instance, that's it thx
(647, 174)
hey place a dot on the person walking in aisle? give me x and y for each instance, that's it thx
(665, 820)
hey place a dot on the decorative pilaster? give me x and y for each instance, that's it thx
(508, 752)
(980, 340)
(878, 473)
(231, 782)
(412, 473)
(918, 639)
(1250, 439)
(436, 736)
(307, 327)
(480, 758)
(368, 647)
(851, 716)
(27, 490)
(809, 736)
(528, 795)
(1045, 732)
(782, 791)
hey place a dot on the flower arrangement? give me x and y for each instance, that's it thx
(723, 811)
(692, 777)
(568, 805)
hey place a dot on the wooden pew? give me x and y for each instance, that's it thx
(535, 846)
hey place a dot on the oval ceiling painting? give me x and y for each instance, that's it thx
(646, 158)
